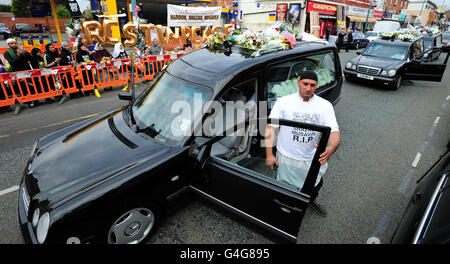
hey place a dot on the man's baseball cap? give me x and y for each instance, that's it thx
(311, 75)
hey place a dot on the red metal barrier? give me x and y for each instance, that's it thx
(27, 86)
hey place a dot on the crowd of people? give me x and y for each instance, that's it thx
(20, 59)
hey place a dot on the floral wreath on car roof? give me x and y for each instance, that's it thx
(430, 30)
(251, 43)
(406, 36)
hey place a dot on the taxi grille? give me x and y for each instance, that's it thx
(368, 70)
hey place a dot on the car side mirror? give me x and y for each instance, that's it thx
(127, 96)
(358, 53)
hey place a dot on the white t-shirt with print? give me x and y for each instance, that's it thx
(298, 143)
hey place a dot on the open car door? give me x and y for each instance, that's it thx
(247, 187)
(424, 70)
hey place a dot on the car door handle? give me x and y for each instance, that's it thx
(286, 208)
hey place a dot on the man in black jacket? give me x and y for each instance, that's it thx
(18, 59)
(349, 40)
(340, 42)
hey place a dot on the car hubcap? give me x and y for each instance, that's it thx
(131, 227)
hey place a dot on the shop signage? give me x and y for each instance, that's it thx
(357, 11)
(178, 16)
(323, 9)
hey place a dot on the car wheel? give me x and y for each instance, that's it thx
(397, 83)
(133, 226)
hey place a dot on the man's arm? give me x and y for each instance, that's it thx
(333, 144)
(269, 138)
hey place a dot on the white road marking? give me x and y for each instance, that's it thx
(9, 190)
(437, 120)
(383, 225)
(432, 130)
(417, 159)
(406, 181)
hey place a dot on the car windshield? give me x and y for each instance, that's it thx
(386, 51)
(428, 44)
(23, 26)
(3, 26)
(166, 111)
(371, 34)
(446, 37)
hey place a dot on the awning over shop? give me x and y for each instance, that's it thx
(361, 19)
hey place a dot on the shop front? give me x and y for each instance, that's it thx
(327, 17)
(358, 16)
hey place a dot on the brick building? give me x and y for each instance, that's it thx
(395, 6)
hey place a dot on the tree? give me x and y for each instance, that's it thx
(21, 8)
(5, 8)
(62, 11)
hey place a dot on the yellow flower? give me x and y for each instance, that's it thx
(216, 40)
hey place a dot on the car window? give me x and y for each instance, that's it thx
(446, 37)
(384, 50)
(428, 44)
(279, 74)
(322, 64)
(234, 107)
(167, 111)
(439, 40)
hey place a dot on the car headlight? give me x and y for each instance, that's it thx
(348, 65)
(354, 67)
(42, 227)
(33, 148)
(35, 217)
(384, 72)
(392, 73)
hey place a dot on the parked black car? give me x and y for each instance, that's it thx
(427, 217)
(446, 41)
(4, 31)
(21, 28)
(110, 178)
(433, 46)
(389, 62)
(359, 40)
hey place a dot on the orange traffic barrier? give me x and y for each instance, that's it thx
(27, 86)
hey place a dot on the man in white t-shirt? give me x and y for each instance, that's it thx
(296, 146)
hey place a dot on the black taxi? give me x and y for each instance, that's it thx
(111, 178)
(389, 62)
